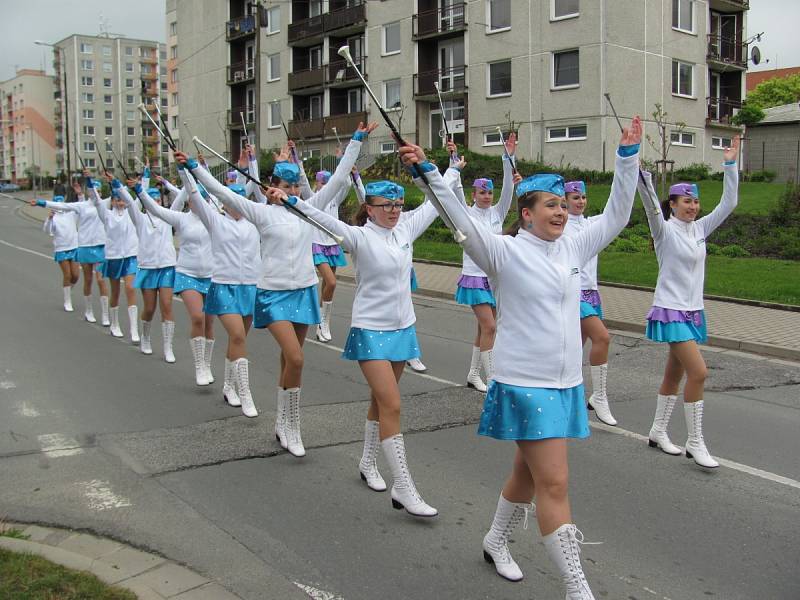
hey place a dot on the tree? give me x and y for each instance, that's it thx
(663, 143)
(776, 92)
(749, 114)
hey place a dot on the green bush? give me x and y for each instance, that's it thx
(631, 245)
(693, 172)
(759, 176)
(713, 249)
(787, 210)
(733, 251)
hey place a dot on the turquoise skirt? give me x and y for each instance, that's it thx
(587, 310)
(91, 254)
(63, 255)
(230, 299)
(368, 344)
(296, 306)
(117, 268)
(414, 285)
(677, 332)
(153, 279)
(185, 282)
(512, 412)
(331, 255)
(474, 296)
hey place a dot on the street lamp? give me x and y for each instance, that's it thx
(63, 59)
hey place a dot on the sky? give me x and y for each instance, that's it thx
(51, 20)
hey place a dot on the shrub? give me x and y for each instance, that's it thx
(713, 249)
(759, 176)
(693, 172)
(631, 245)
(787, 209)
(733, 251)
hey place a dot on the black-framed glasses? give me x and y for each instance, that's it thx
(389, 206)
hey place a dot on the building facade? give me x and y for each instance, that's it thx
(27, 136)
(107, 78)
(773, 144)
(540, 67)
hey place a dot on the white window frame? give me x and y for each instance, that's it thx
(129, 99)
(108, 114)
(88, 130)
(681, 141)
(491, 142)
(108, 99)
(87, 97)
(86, 48)
(400, 94)
(87, 64)
(88, 78)
(129, 67)
(173, 28)
(174, 98)
(489, 93)
(387, 147)
(88, 114)
(130, 115)
(131, 147)
(271, 11)
(384, 51)
(718, 142)
(130, 131)
(570, 86)
(110, 82)
(106, 50)
(567, 137)
(553, 16)
(691, 95)
(128, 50)
(677, 27)
(271, 75)
(270, 123)
(109, 131)
(90, 162)
(108, 67)
(173, 52)
(489, 30)
(88, 146)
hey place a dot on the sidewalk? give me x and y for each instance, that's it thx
(732, 326)
(149, 576)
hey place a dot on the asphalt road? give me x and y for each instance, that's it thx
(96, 436)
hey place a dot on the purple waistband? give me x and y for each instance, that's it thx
(670, 315)
(334, 250)
(591, 296)
(473, 282)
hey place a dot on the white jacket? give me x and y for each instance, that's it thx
(121, 238)
(286, 259)
(681, 246)
(382, 261)
(194, 242)
(156, 249)
(235, 245)
(537, 285)
(63, 227)
(332, 208)
(576, 224)
(90, 229)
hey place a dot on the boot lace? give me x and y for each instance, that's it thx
(571, 539)
(294, 418)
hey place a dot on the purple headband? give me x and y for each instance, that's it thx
(323, 176)
(574, 187)
(230, 175)
(484, 184)
(685, 189)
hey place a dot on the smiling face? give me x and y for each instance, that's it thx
(377, 211)
(291, 189)
(684, 208)
(482, 198)
(576, 203)
(543, 214)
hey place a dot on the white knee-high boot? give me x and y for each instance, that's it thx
(281, 410)
(324, 328)
(599, 398)
(88, 313)
(695, 444)
(474, 376)
(563, 548)
(133, 317)
(487, 361)
(207, 352)
(229, 385)
(368, 466)
(241, 367)
(658, 431)
(168, 333)
(294, 441)
(68, 298)
(495, 542)
(145, 346)
(115, 329)
(104, 320)
(404, 493)
(198, 347)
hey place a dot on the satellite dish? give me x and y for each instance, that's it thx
(755, 55)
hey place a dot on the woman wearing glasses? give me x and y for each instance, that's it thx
(382, 334)
(592, 325)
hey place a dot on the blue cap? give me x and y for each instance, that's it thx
(95, 183)
(154, 193)
(685, 189)
(287, 171)
(203, 191)
(385, 189)
(484, 184)
(323, 176)
(58, 198)
(575, 187)
(237, 188)
(541, 182)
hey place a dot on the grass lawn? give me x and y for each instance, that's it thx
(27, 577)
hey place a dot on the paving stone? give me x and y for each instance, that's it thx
(129, 562)
(210, 591)
(169, 579)
(68, 559)
(36, 533)
(89, 545)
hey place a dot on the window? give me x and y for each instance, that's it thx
(87, 81)
(175, 123)
(86, 48)
(683, 15)
(88, 130)
(107, 68)
(681, 138)
(274, 67)
(174, 98)
(720, 143)
(107, 82)
(87, 65)
(109, 161)
(107, 99)
(569, 133)
(88, 113)
(173, 76)
(391, 39)
(163, 86)
(162, 71)
(130, 115)
(88, 146)
(129, 51)
(87, 97)
(391, 94)
(131, 147)
(130, 131)
(274, 115)
(566, 69)
(499, 78)
(314, 8)
(108, 115)
(162, 54)
(173, 28)
(273, 20)
(129, 67)
(129, 83)
(164, 102)
(129, 99)
(492, 138)
(388, 147)
(109, 131)
(89, 162)
(173, 52)
(682, 78)
(355, 101)
(564, 9)
(106, 50)
(310, 153)
(315, 106)
(499, 15)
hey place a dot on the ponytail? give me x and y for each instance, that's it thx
(527, 200)
(361, 217)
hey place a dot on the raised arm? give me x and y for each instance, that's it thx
(361, 192)
(173, 191)
(170, 216)
(133, 207)
(58, 206)
(179, 200)
(730, 191)
(204, 211)
(452, 178)
(146, 177)
(652, 209)
(351, 233)
(507, 193)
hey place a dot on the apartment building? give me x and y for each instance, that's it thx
(107, 77)
(27, 136)
(540, 67)
(171, 72)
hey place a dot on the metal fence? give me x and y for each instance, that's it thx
(782, 156)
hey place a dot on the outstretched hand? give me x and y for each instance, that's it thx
(284, 153)
(511, 144)
(732, 153)
(368, 128)
(633, 134)
(180, 156)
(411, 155)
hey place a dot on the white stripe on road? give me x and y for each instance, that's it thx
(23, 409)
(101, 497)
(317, 594)
(7, 385)
(616, 430)
(56, 445)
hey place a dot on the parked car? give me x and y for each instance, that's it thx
(9, 187)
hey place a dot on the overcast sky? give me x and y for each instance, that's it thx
(50, 20)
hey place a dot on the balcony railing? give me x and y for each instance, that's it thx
(439, 21)
(240, 27)
(235, 116)
(307, 28)
(319, 128)
(241, 72)
(306, 79)
(449, 80)
(149, 76)
(726, 50)
(339, 72)
(317, 26)
(722, 110)
(149, 60)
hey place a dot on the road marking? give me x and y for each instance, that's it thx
(7, 385)
(317, 594)
(101, 496)
(26, 410)
(56, 445)
(5, 243)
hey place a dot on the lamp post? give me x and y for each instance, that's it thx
(63, 59)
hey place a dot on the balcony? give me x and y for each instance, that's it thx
(442, 22)
(726, 52)
(321, 128)
(240, 27)
(343, 21)
(148, 60)
(243, 72)
(150, 139)
(149, 76)
(451, 81)
(339, 74)
(721, 110)
(235, 116)
(309, 78)
(729, 5)
(306, 32)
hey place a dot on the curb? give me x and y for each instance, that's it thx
(149, 576)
